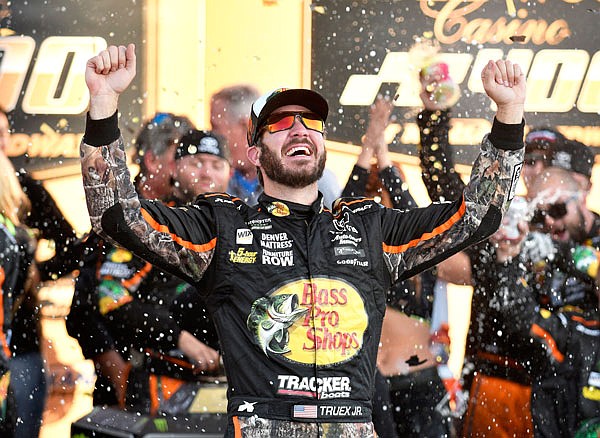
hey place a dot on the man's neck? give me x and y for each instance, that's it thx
(304, 196)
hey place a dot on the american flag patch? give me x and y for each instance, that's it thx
(305, 411)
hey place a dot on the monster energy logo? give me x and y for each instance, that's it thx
(161, 424)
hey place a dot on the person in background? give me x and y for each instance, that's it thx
(136, 299)
(11, 261)
(408, 384)
(566, 402)
(243, 257)
(46, 220)
(498, 360)
(507, 277)
(202, 165)
(498, 381)
(576, 157)
(540, 144)
(21, 331)
(154, 152)
(229, 110)
(566, 331)
(567, 218)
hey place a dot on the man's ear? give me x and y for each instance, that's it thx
(254, 155)
(150, 162)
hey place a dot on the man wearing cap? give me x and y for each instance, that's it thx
(576, 157)
(297, 292)
(540, 143)
(202, 165)
(229, 109)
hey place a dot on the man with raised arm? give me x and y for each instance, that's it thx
(297, 291)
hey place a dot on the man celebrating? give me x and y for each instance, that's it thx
(297, 292)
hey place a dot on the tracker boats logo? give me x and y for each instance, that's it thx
(326, 387)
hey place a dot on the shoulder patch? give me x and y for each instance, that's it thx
(218, 199)
(355, 206)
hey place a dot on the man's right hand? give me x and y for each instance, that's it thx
(107, 75)
(504, 82)
(201, 355)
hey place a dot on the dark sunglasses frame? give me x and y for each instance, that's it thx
(274, 118)
(555, 211)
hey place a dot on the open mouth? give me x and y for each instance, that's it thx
(559, 233)
(299, 151)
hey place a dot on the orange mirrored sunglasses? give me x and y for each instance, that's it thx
(285, 120)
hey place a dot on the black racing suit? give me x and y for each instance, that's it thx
(297, 292)
(123, 303)
(566, 381)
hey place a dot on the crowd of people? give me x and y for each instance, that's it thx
(235, 256)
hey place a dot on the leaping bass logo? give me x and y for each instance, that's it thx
(319, 321)
(342, 224)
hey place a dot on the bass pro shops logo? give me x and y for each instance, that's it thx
(319, 321)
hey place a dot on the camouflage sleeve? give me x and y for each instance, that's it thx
(420, 238)
(117, 213)
(107, 182)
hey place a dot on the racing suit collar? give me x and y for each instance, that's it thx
(281, 208)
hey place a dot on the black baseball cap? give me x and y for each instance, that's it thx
(543, 139)
(269, 102)
(201, 142)
(574, 156)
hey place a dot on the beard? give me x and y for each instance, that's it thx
(295, 178)
(577, 231)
